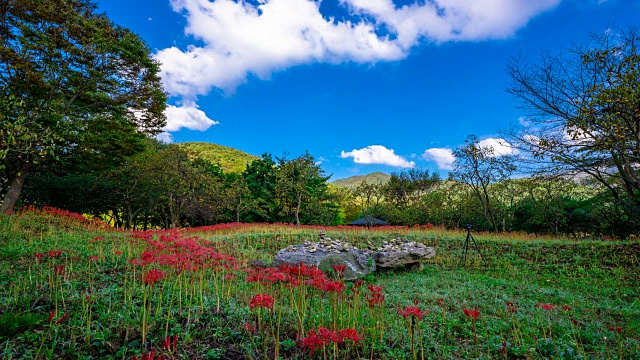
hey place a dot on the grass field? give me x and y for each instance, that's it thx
(72, 288)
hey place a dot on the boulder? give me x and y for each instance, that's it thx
(397, 253)
(359, 262)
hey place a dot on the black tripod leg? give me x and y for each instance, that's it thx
(478, 249)
(463, 258)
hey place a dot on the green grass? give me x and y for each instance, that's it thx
(105, 298)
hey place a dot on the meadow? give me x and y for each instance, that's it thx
(73, 288)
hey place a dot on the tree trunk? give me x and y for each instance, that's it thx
(298, 210)
(15, 188)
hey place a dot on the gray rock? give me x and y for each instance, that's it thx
(359, 262)
(405, 254)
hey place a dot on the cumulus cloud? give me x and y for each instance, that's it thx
(500, 146)
(237, 39)
(443, 157)
(377, 154)
(187, 116)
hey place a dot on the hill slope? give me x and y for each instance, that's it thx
(354, 181)
(229, 159)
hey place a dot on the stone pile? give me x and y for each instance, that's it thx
(327, 252)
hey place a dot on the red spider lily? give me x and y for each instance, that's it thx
(117, 252)
(39, 256)
(440, 301)
(350, 334)
(312, 342)
(153, 276)
(339, 269)
(472, 313)
(229, 276)
(62, 318)
(413, 311)
(52, 314)
(248, 327)
(58, 269)
(374, 288)
(93, 258)
(333, 286)
(566, 307)
(329, 335)
(170, 343)
(148, 356)
(416, 301)
(545, 306)
(615, 329)
(55, 253)
(511, 307)
(375, 298)
(261, 300)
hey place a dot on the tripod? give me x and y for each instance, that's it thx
(463, 258)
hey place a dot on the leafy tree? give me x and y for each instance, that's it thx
(63, 69)
(237, 196)
(584, 108)
(370, 198)
(478, 167)
(299, 180)
(260, 176)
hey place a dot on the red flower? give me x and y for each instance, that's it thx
(566, 307)
(148, 356)
(261, 300)
(511, 307)
(62, 318)
(350, 334)
(93, 258)
(440, 301)
(312, 342)
(55, 253)
(472, 313)
(248, 327)
(374, 288)
(375, 298)
(59, 269)
(52, 313)
(615, 329)
(413, 311)
(170, 343)
(153, 276)
(339, 268)
(118, 252)
(545, 306)
(329, 336)
(333, 286)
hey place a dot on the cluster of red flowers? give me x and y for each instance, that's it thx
(261, 300)
(64, 214)
(153, 276)
(170, 343)
(317, 339)
(472, 313)
(183, 254)
(413, 311)
(545, 306)
(294, 276)
(375, 297)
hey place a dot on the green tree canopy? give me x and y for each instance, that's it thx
(63, 70)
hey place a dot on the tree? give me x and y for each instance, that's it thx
(63, 68)
(299, 180)
(584, 108)
(478, 167)
(260, 176)
(370, 198)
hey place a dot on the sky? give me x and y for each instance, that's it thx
(362, 85)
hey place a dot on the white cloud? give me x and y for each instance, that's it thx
(524, 122)
(187, 116)
(500, 146)
(238, 39)
(165, 137)
(443, 157)
(377, 154)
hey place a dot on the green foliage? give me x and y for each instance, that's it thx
(68, 72)
(353, 181)
(229, 159)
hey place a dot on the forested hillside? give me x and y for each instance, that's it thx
(229, 159)
(354, 181)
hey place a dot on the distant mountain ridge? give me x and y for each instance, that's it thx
(228, 158)
(354, 181)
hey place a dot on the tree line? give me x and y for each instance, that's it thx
(81, 100)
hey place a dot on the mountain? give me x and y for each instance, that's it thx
(354, 181)
(229, 159)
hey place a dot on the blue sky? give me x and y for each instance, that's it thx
(363, 85)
